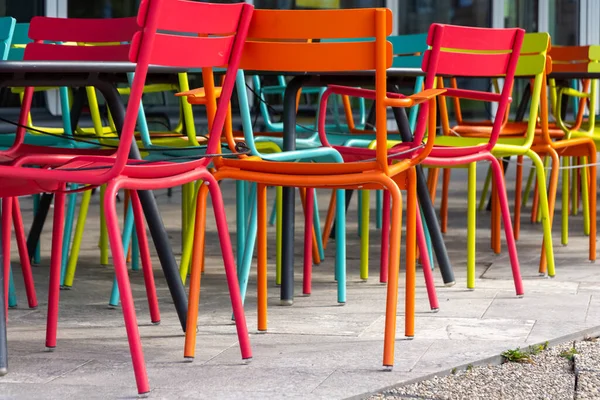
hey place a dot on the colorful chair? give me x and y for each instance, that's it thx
(270, 50)
(147, 47)
(532, 62)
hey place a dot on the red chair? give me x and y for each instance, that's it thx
(146, 46)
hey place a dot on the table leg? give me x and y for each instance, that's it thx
(287, 237)
(435, 232)
(38, 223)
(3, 344)
(153, 218)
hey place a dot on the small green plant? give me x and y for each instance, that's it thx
(569, 354)
(453, 372)
(538, 348)
(470, 367)
(517, 355)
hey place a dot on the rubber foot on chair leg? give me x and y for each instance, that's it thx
(3, 371)
(13, 307)
(261, 331)
(592, 261)
(33, 307)
(409, 337)
(520, 296)
(449, 284)
(65, 287)
(50, 349)
(286, 302)
(246, 361)
(341, 303)
(435, 310)
(143, 395)
(112, 306)
(188, 359)
(155, 322)
(388, 368)
(305, 294)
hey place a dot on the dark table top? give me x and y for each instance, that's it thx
(78, 66)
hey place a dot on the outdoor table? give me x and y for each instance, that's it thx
(352, 78)
(103, 76)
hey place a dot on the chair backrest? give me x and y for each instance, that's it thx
(278, 40)
(577, 59)
(460, 51)
(7, 27)
(19, 40)
(220, 31)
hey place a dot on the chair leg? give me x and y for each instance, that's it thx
(564, 238)
(140, 227)
(329, 219)
(229, 263)
(340, 245)
(444, 206)
(552, 189)
(496, 213)
(37, 254)
(6, 234)
(385, 238)
(378, 208)
(308, 240)
(248, 251)
(432, 181)
(240, 195)
(103, 230)
(425, 262)
(71, 203)
(528, 186)
(278, 234)
(485, 191)
(518, 188)
(127, 305)
(574, 194)
(411, 247)
(196, 274)
(318, 234)
(585, 206)
(261, 270)
(592, 200)
(24, 255)
(393, 274)
(471, 224)
(55, 261)
(77, 238)
(510, 239)
(545, 210)
(364, 236)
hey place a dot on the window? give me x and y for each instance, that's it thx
(522, 14)
(564, 22)
(22, 11)
(415, 16)
(314, 4)
(102, 8)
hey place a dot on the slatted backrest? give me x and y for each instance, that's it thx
(46, 32)
(575, 58)
(213, 27)
(532, 60)
(408, 50)
(219, 33)
(277, 40)
(473, 52)
(19, 40)
(7, 27)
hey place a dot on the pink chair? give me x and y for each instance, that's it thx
(222, 31)
(460, 52)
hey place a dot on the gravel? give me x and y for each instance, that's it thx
(548, 376)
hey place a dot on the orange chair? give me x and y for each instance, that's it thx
(275, 44)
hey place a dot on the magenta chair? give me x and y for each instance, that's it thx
(145, 45)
